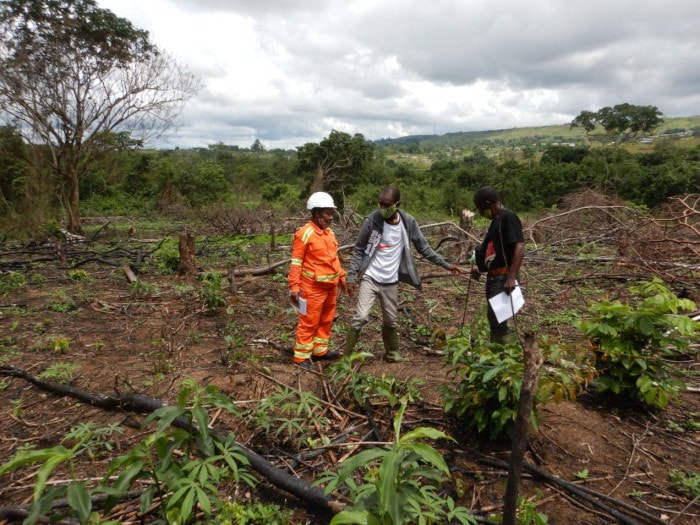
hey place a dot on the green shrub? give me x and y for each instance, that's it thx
(167, 256)
(486, 396)
(10, 282)
(143, 290)
(632, 341)
(254, 513)
(212, 292)
(80, 276)
(489, 377)
(60, 372)
(687, 483)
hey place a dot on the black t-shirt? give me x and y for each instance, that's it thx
(505, 232)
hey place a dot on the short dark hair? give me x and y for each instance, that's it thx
(394, 191)
(486, 194)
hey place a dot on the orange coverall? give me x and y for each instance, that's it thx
(315, 272)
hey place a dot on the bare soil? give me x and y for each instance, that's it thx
(150, 344)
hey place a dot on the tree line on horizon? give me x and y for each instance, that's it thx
(82, 91)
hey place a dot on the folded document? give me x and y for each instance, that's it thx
(506, 306)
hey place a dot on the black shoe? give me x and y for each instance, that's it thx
(328, 356)
(306, 364)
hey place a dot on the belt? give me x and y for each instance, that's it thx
(498, 271)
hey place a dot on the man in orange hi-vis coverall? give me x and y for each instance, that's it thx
(315, 274)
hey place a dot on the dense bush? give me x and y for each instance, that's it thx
(632, 342)
(489, 376)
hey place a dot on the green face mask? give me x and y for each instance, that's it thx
(487, 214)
(387, 213)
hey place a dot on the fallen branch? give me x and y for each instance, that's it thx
(20, 512)
(586, 494)
(145, 404)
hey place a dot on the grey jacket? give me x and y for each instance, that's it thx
(368, 240)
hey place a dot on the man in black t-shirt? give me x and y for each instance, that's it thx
(499, 255)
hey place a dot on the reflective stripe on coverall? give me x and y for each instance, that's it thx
(315, 272)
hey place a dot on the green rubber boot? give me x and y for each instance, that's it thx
(351, 341)
(390, 337)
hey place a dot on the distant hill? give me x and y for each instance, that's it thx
(524, 136)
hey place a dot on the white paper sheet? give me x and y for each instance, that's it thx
(506, 306)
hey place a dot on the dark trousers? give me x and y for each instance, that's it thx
(494, 286)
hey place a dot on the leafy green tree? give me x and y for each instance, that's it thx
(189, 180)
(667, 171)
(13, 167)
(477, 170)
(612, 169)
(621, 122)
(563, 155)
(337, 160)
(72, 73)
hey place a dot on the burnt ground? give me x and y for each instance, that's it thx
(150, 342)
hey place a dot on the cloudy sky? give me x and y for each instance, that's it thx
(287, 72)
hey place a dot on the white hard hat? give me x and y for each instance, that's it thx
(320, 199)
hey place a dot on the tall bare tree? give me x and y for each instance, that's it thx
(78, 81)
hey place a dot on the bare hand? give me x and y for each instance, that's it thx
(510, 285)
(455, 270)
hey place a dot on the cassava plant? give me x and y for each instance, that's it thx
(184, 465)
(182, 482)
(632, 342)
(398, 483)
(367, 388)
(85, 440)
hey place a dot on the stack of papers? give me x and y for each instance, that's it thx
(506, 306)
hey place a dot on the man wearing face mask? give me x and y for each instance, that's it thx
(382, 258)
(315, 274)
(500, 255)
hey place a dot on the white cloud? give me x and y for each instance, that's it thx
(290, 71)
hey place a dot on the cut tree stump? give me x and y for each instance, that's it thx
(528, 390)
(187, 249)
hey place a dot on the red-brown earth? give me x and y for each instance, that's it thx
(149, 343)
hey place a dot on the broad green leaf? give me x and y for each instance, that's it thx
(79, 500)
(45, 471)
(490, 375)
(203, 500)
(423, 433)
(31, 456)
(43, 504)
(646, 326)
(165, 415)
(128, 476)
(354, 517)
(431, 456)
(188, 504)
